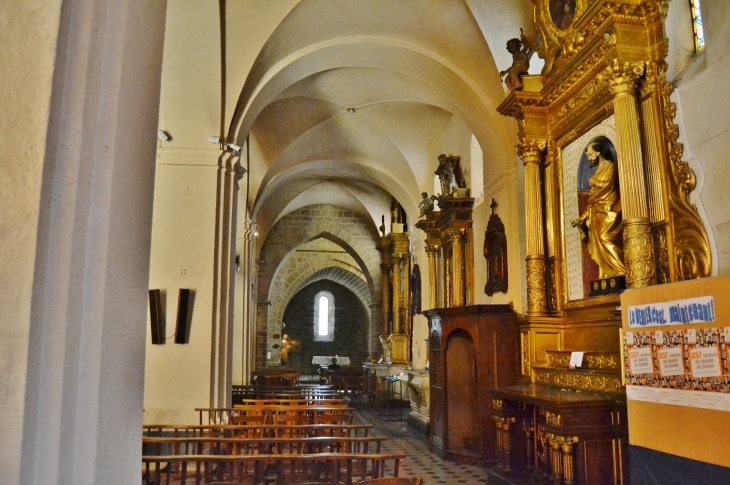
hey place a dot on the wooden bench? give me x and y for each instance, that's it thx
(191, 431)
(211, 445)
(278, 468)
(222, 415)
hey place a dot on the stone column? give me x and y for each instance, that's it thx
(431, 251)
(638, 248)
(530, 152)
(457, 267)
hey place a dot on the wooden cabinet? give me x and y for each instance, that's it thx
(473, 350)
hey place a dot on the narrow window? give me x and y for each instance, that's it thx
(322, 324)
(697, 25)
(324, 317)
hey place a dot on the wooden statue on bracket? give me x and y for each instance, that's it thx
(495, 252)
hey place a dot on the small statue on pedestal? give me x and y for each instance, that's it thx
(512, 77)
(450, 174)
(426, 205)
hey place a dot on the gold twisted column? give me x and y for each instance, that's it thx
(567, 449)
(405, 267)
(530, 152)
(431, 251)
(498, 421)
(506, 443)
(638, 248)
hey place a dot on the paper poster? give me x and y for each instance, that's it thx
(640, 361)
(678, 312)
(671, 362)
(686, 367)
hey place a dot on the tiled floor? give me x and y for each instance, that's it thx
(420, 462)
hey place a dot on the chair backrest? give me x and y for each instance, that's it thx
(390, 481)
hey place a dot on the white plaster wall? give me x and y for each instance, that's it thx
(177, 376)
(27, 58)
(704, 95)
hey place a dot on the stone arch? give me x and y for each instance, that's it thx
(282, 272)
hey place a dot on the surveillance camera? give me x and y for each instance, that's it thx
(234, 147)
(162, 136)
(214, 139)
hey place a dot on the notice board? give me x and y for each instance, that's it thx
(676, 352)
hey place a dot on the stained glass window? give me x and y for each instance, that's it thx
(697, 25)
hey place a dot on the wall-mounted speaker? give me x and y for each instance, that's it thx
(184, 315)
(157, 317)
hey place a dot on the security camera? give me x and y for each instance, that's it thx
(234, 147)
(162, 136)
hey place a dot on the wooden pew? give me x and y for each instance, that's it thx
(278, 468)
(311, 430)
(221, 415)
(212, 445)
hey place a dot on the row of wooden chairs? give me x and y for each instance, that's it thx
(329, 468)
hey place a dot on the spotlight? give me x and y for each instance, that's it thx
(214, 139)
(162, 136)
(234, 147)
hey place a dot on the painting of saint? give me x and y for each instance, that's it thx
(562, 12)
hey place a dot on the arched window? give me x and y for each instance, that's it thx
(324, 317)
(697, 25)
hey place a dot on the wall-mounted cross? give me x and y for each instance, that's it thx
(493, 205)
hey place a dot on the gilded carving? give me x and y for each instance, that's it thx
(661, 254)
(525, 353)
(497, 404)
(692, 249)
(529, 150)
(638, 255)
(557, 38)
(591, 360)
(536, 297)
(623, 75)
(553, 419)
(556, 378)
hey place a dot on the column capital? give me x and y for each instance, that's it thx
(529, 150)
(622, 76)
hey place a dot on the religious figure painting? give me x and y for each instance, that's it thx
(562, 12)
(599, 201)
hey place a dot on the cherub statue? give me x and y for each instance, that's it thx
(426, 205)
(520, 62)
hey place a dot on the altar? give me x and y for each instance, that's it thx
(327, 360)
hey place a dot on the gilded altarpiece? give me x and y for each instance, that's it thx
(603, 80)
(395, 268)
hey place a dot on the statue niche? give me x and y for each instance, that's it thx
(600, 207)
(495, 252)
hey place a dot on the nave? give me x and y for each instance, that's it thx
(298, 435)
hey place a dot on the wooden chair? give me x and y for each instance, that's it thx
(332, 418)
(390, 481)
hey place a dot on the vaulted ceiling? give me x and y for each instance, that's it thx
(351, 102)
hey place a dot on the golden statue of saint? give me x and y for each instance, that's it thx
(600, 223)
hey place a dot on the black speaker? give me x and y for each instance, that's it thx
(157, 317)
(184, 315)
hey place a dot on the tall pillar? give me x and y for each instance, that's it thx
(431, 251)
(396, 296)
(469, 265)
(638, 252)
(552, 214)
(405, 268)
(457, 267)
(530, 152)
(385, 275)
